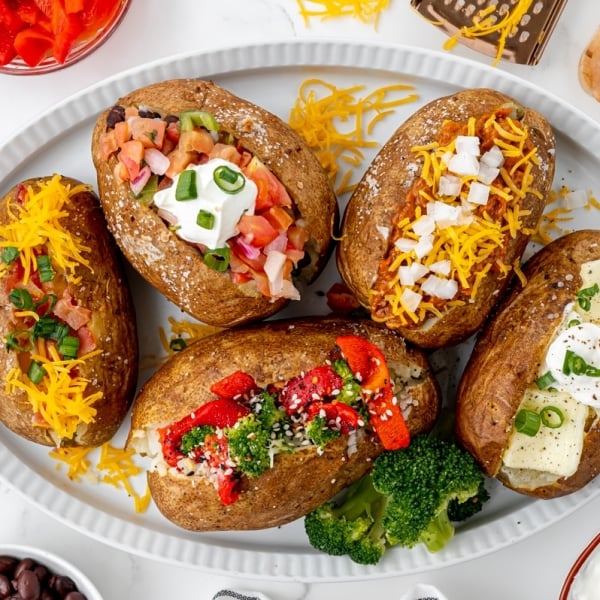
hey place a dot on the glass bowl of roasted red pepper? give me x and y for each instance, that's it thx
(40, 36)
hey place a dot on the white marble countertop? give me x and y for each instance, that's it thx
(531, 568)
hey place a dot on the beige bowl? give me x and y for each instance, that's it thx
(54, 563)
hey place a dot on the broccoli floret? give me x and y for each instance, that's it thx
(411, 496)
(350, 393)
(248, 443)
(351, 525)
(319, 433)
(271, 415)
(195, 437)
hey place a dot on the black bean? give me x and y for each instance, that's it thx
(115, 115)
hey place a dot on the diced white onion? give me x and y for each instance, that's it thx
(441, 267)
(410, 299)
(445, 215)
(487, 174)
(449, 185)
(424, 246)
(405, 244)
(467, 144)
(410, 274)
(384, 232)
(424, 225)
(464, 164)
(444, 289)
(478, 193)
(274, 264)
(446, 157)
(575, 199)
(493, 157)
(156, 160)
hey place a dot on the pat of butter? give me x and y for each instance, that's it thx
(226, 208)
(556, 451)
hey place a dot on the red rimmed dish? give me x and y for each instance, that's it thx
(573, 587)
(90, 38)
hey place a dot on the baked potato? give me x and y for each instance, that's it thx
(215, 201)
(440, 218)
(69, 358)
(254, 427)
(528, 403)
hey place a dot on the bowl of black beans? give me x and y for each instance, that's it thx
(28, 573)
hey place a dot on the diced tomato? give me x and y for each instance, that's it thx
(9, 17)
(271, 192)
(256, 230)
(7, 46)
(226, 152)
(298, 236)
(256, 263)
(107, 144)
(238, 383)
(151, 132)
(122, 132)
(279, 217)
(196, 140)
(178, 161)
(131, 155)
(172, 131)
(32, 44)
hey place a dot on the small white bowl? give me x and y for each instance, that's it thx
(578, 568)
(55, 564)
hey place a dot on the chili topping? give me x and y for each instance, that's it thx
(457, 219)
(245, 425)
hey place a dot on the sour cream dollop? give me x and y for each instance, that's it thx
(225, 207)
(583, 340)
(587, 582)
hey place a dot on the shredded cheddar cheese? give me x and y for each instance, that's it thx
(440, 253)
(337, 125)
(496, 18)
(114, 466)
(38, 221)
(368, 11)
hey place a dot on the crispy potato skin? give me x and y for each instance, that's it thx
(298, 483)
(382, 191)
(105, 292)
(176, 268)
(508, 354)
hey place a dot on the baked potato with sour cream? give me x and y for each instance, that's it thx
(320, 427)
(528, 403)
(440, 218)
(215, 201)
(69, 354)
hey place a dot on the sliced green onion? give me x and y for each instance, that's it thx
(228, 179)
(45, 268)
(205, 219)
(68, 346)
(21, 299)
(177, 344)
(573, 323)
(527, 422)
(545, 381)
(49, 299)
(552, 417)
(583, 296)
(60, 331)
(20, 340)
(186, 186)
(576, 365)
(36, 372)
(217, 259)
(9, 254)
(151, 187)
(197, 118)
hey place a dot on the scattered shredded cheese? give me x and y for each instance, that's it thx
(114, 466)
(337, 125)
(493, 19)
(38, 222)
(368, 11)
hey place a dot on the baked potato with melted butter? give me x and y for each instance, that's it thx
(437, 223)
(527, 404)
(298, 476)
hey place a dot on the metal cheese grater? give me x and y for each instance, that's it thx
(523, 46)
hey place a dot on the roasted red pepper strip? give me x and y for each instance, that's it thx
(338, 415)
(315, 384)
(234, 385)
(368, 363)
(222, 412)
(216, 452)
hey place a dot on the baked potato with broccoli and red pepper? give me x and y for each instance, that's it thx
(255, 427)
